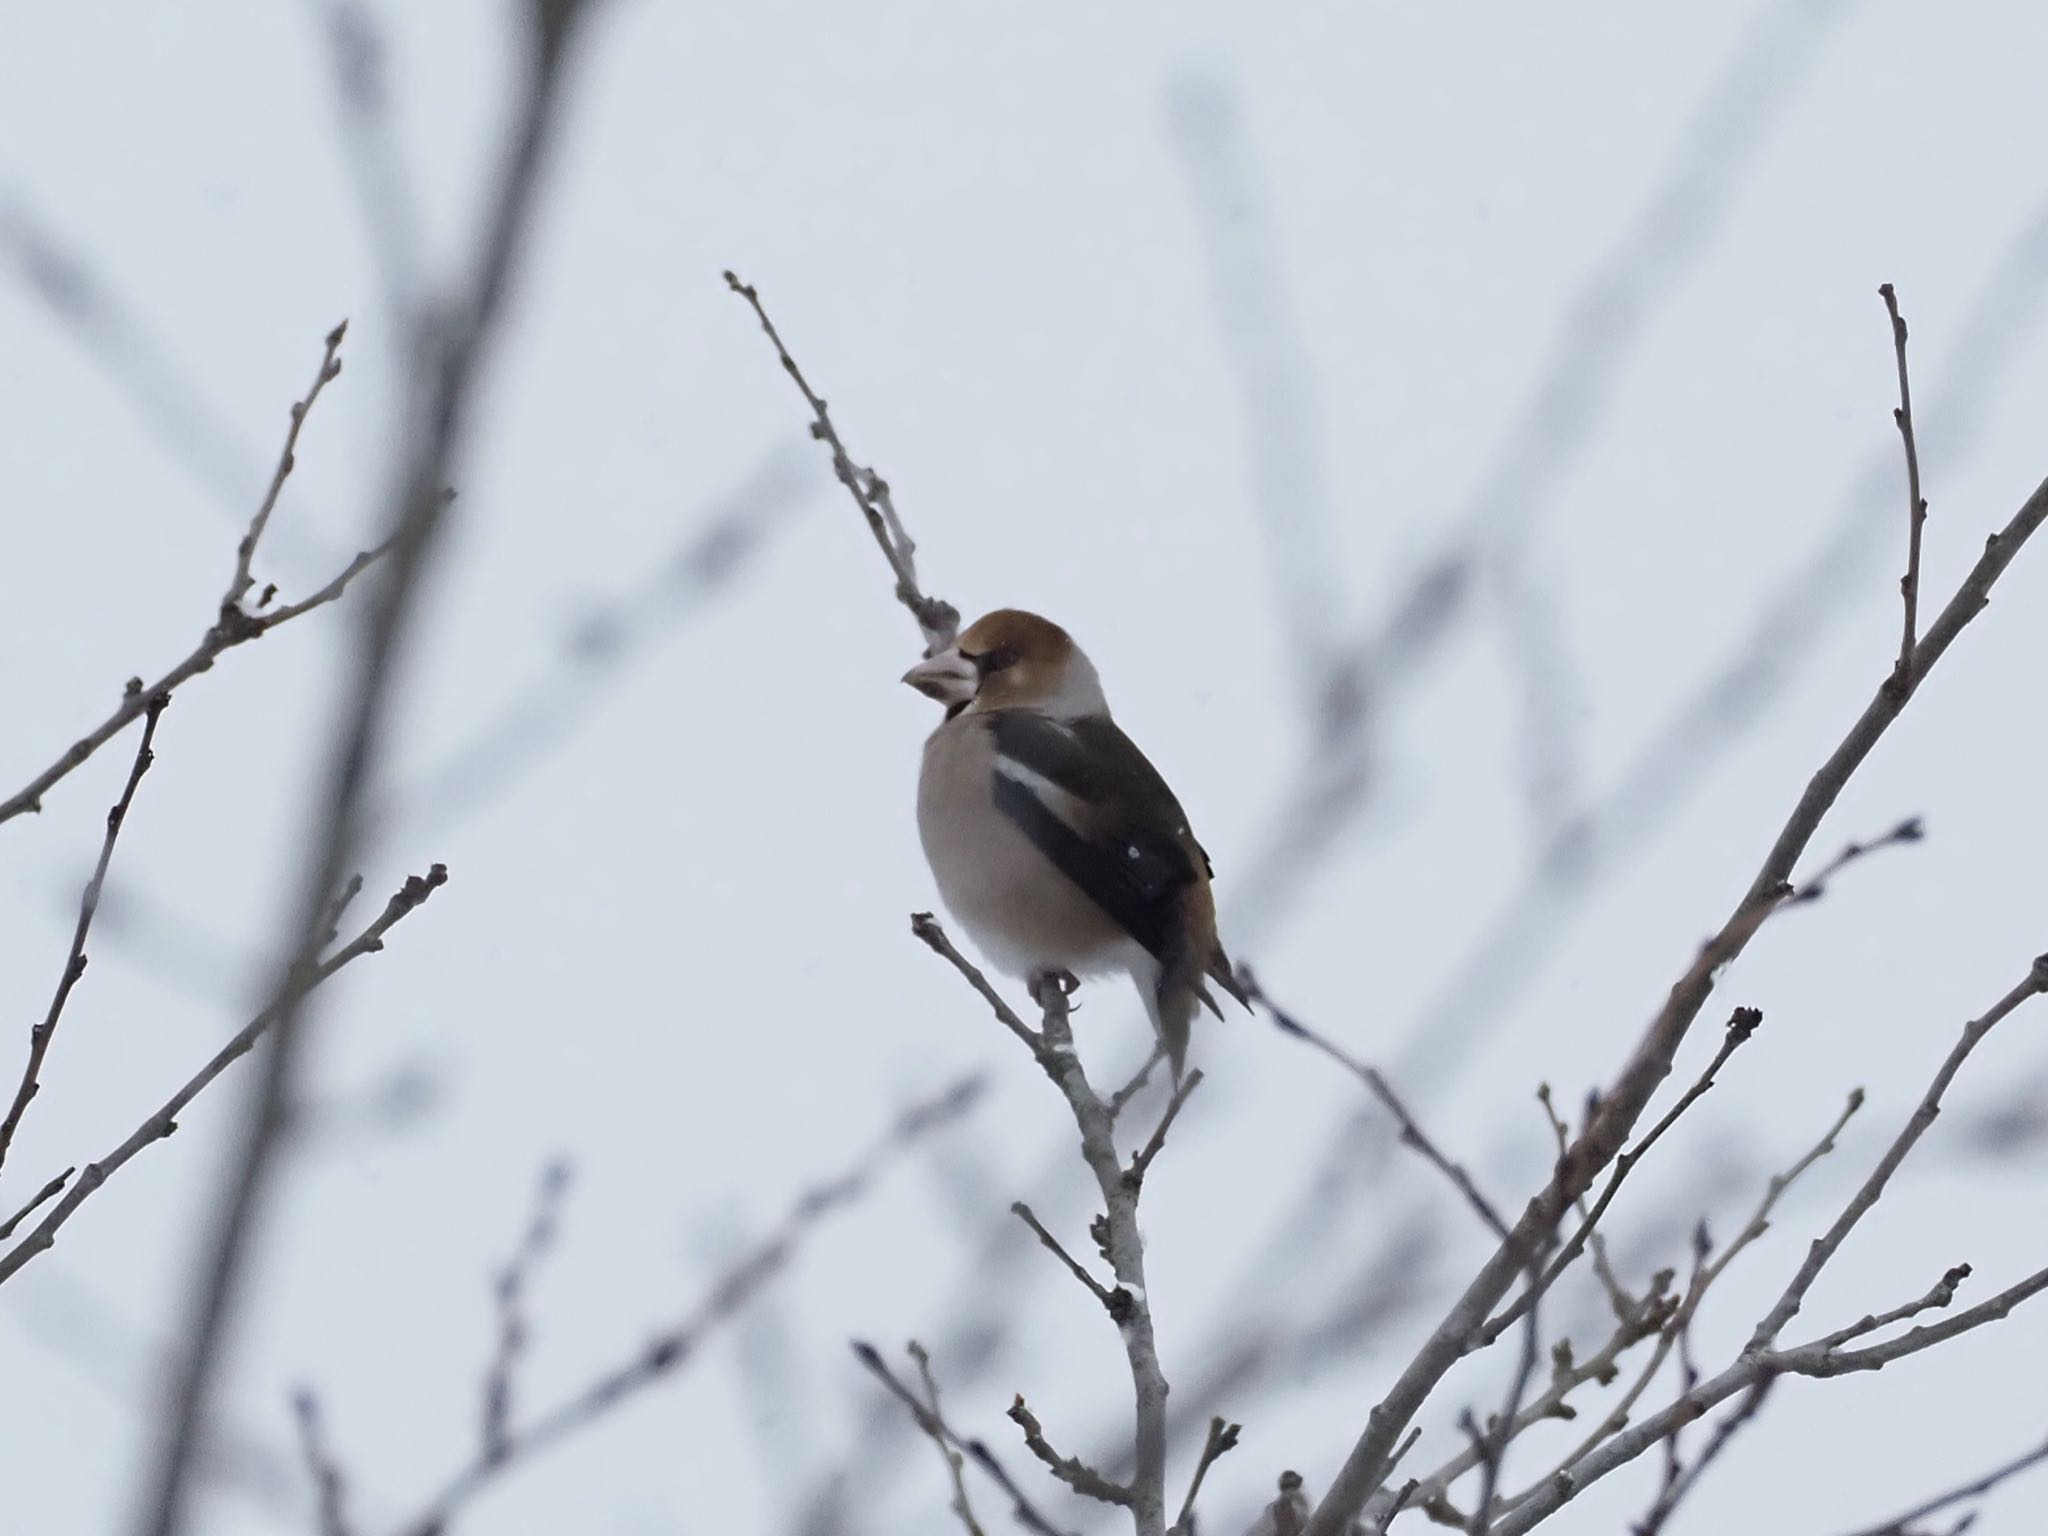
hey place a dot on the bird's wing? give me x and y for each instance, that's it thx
(1090, 802)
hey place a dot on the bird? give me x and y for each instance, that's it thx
(1053, 840)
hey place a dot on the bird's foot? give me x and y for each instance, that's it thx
(1048, 986)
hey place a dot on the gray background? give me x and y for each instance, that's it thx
(1203, 329)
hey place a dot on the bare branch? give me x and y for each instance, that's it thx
(1181, 1093)
(1815, 886)
(1222, 1438)
(1116, 1230)
(36, 1202)
(450, 350)
(287, 460)
(1683, 1482)
(1742, 1023)
(929, 1420)
(512, 1326)
(1899, 1525)
(1916, 506)
(1704, 1274)
(165, 1120)
(1412, 1134)
(938, 620)
(1825, 1247)
(955, 1463)
(330, 1488)
(927, 930)
(233, 625)
(1761, 1360)
(1074, 1266)
(1071, 1470)
(42, 1034)
(668, 1350)
(1365, 1468)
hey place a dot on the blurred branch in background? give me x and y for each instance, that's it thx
(360, 58)
(1599, 332)
(162, 393)
(1667, 772)
(449, 353)
(506, 1441)
(615, 635)
(1272, 363)
(1365, 1470)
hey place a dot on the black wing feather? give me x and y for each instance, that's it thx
(1135, 861)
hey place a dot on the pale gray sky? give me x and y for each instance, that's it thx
(1602, 277)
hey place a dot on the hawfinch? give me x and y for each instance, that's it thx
(1054, 842)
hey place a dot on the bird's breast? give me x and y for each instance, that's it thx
(1019, 909)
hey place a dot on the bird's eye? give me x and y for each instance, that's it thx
(996, 660)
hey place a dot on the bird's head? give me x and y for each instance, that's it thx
(1011, 659)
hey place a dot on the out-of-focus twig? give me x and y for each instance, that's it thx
(934, 1425)
(511, 1285)
(449, 353)
(358, 54)
(40, 1036)
(956, 1464)
(330, 1488)
(510, 1444)
(1901, 1524)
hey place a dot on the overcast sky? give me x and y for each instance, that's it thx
(1202, 329)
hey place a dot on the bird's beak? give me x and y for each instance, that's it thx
(948, 677)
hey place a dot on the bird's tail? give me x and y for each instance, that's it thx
(1224, 974)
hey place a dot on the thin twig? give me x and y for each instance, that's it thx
(1116, 1229)
(42, 1034)
(1623, 1104)
(1916, 506)
(1683, 1482)
(1181, 1093)
(1899, 1525)
(1704, 1275)
(287, 460)
(41, 1197)
(677, 1344)
(937, 619)
(1742, 1024)
(1825, 1247)
(1074, 1266)
(232, 625)
(511, 1295)
(934, 1424)
(1761, 1359)
(956, 1464)
(165, 1120)
(1619, 1301)
(1412, 1134)
(1222, 1438)
(1815, 886)
(1071, 1470)
(928, 931)
(330, 1488)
